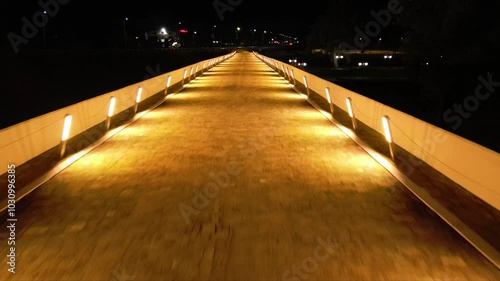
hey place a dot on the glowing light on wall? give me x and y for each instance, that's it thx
(305, 84)
(387, 129)
(65, 134)
(349, 107)
(329, 97)
(111, 108)
(168, 84)
(139, 95)
(388, 134)
(137, 99)
(351, 112)
(67, 127)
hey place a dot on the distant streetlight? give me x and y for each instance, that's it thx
(125, 33)
(43, 27)
(237, 30)
(163, 33)
(178, 32)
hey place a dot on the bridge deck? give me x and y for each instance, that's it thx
(289, 197)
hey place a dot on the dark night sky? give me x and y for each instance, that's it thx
(93, 18)
(102, 22)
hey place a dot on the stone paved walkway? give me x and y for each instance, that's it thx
(234, 178)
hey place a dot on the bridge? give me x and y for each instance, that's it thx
(244, 168)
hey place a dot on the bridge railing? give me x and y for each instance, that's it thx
(469, 164)
(24, 141)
